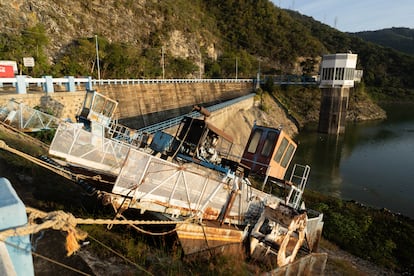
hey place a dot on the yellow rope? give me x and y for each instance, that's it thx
(35, 213)
(160, 222)
(59, 220)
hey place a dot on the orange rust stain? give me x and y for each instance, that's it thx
(210, 212)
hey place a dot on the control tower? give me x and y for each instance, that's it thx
(337, 77)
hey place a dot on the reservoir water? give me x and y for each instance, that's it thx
(372, 163)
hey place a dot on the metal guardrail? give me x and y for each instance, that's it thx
(296, 83)
(48, 82)
(163, 81)
(39, 81)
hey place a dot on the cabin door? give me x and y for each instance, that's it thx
(259, 150)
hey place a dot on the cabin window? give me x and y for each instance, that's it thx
(281, 150)
(88, 100)
(255, 141)
(288, 155)
(109, 108)
(269, 143)
(98, 104)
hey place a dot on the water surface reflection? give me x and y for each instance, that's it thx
(372, 162)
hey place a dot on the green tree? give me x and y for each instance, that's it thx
(180, 68)
(212, 69)
(31, 42)
(80, 58)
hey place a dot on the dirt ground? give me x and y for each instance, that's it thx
(50, 244)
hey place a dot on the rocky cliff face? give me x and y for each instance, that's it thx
(140, 23)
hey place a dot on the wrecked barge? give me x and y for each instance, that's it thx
(193, 177)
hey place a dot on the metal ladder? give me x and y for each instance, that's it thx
(298, 180)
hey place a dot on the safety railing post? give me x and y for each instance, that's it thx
(21, 84)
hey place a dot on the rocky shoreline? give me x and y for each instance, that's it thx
(365, 110)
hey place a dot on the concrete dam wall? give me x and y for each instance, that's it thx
(140, 104)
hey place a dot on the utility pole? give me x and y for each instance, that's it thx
(258, 76)
(162, 62)
(236, 68)
(97, 57)
(200, 67)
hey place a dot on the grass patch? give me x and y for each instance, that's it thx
(346, 267)
(377, 235)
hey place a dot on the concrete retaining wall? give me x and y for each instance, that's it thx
(140, 104)
(62, 104)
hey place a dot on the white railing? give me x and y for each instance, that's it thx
(160, 81)
(40, 81)
(21, 83)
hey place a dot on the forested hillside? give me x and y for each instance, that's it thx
(208, 39)
(400, 39)
(386, 71)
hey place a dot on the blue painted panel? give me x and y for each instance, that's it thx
(161, 141)
(13, 214)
